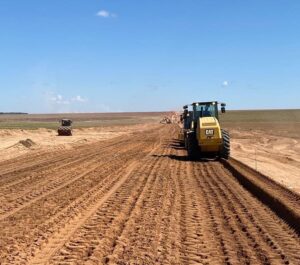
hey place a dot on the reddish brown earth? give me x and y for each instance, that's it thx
(135, 199)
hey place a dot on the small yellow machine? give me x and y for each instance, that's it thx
(203, 134)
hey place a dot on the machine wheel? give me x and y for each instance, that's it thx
(185, 140)
(62, 131)
(181, 138)
(192, 147)
(225, 153)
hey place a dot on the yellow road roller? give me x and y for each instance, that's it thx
(204, 135)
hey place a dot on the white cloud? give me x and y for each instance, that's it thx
(103, 13)
(225, 83)
(79, 99)
(106, 14)
(58, 99)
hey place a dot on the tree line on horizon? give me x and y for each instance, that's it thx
(14, 113)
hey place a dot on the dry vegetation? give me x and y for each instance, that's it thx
(81, 120)
(275, 122)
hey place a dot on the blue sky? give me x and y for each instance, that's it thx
(112, 55)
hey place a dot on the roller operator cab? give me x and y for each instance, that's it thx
(205, 136)
(66, 122)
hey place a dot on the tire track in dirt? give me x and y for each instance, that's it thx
(209, 235)
(60, 199)
(47, 166)
(51, 161)
(118, 208)
(234, 248)
(270, 232)
(235, 240)
(36, 162)
(135, 241)
(147, 205)
(285, 203)
(43, 158)
(199, 244)
(102, 226)
(22, 198)
(167, 247)
(11, 165)
(57, 204)
(58, 240)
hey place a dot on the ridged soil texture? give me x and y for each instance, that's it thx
(135, 199)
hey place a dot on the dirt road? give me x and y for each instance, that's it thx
(134, 199)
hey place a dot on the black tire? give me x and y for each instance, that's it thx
(62, 131)
(181, 139)
(68, 131)
(185, 140)
(192, 147)
(225, 152)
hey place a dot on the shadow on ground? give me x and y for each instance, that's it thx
(178, 145)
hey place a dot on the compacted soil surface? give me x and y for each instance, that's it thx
(135, 199)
